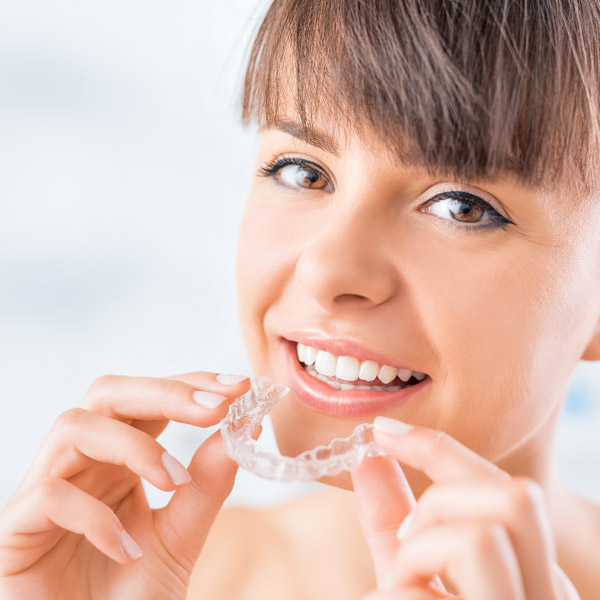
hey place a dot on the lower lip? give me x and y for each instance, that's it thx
(319, 396)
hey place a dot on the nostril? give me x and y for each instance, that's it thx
(351, 299)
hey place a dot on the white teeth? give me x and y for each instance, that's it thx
(346, 368)
(368, 370)
(300, 350)
(387, 374)
(310, 355)
(331, 382)
(348, 386)
(404, 374)
(325, 363)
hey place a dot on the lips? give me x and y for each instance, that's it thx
(343, 347)
(357, 404)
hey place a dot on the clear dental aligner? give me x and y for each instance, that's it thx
(246, 414)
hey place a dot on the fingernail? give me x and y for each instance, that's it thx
(393, 426)
(208, 399)
(405, 525)
(177, 472)
(256, 434)
(131, 548)
(230, 379)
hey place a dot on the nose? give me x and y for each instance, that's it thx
(346, 264)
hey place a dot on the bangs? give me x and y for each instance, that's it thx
(471, 88)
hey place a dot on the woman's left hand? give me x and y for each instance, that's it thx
(487, 532)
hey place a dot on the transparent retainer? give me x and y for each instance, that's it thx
(246, 414)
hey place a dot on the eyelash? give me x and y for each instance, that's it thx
(271, 168)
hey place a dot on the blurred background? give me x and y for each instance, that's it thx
(123, 175)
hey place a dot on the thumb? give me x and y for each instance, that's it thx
(184, 523)
(384, 498)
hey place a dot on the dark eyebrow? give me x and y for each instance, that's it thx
(314, 137)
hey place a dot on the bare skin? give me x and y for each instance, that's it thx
(79, 525)
(256, 555)
(496, 317)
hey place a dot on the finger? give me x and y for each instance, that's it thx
(384, 498)
(517, 503)
(81, 437)
(437, 454)
(566, 589)
(56, 502)
(406, 593)
(203, 403)
(185, 522)
(477, 557)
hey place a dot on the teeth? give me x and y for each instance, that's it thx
(368, 370)
(387, 374)
(325, 363)
(346, 368)
(349, 368)
(310, 355)
(348, 386)
(404, 374)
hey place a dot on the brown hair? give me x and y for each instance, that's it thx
(469, 87)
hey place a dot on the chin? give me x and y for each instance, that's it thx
(342, 481)
(299, 428)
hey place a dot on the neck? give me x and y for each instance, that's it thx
(532, 458)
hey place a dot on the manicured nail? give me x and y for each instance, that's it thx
(131, 548)
(230, 379)
(177, 472)
(405, 525)
(393, 426)
(208, 399)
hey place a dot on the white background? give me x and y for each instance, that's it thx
(123, 173)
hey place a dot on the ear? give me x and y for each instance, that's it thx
(592, 350)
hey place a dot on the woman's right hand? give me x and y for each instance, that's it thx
(68, 530)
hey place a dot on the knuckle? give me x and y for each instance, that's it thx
(485, 539)
(525, 496)
(167, 389)
(68, 418)
(49, 489)
(103, 382)
(99, 388)
(440, 440)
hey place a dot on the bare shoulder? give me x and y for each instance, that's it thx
(265, 554)
(225, 555)
(232, 563)
(578, 548)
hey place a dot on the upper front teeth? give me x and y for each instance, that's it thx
(349, 368)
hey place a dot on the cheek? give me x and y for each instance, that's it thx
(503, 322)
(264, 266)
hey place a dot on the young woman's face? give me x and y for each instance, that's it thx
(363, 257)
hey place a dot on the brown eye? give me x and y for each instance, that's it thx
(465, 211)
(302, 176)
(461, 207)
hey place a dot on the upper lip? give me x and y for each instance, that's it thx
(343, 347)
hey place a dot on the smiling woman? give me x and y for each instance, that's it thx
(419, 251)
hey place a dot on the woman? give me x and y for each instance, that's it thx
(424, 218)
